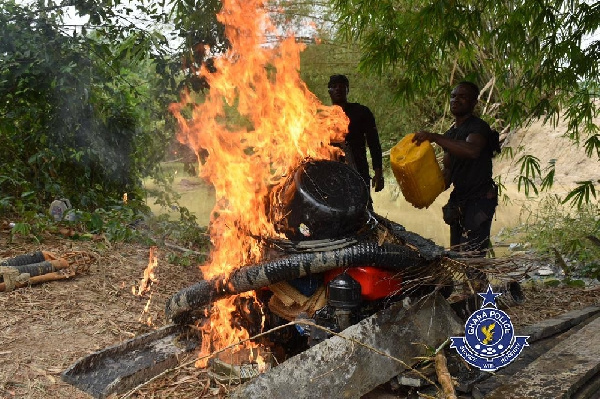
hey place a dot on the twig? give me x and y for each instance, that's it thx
(443, 375)
(594, 240)
(561, 262)
(182, 249)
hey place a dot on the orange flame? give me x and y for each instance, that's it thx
(257, 122)
(146, 283)
(149, 276)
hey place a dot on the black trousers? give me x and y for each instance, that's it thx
(472, 231)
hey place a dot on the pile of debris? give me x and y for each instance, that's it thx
(40, 267)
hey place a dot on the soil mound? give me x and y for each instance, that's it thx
(549, 144)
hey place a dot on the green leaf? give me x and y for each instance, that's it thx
(592, 145)
(548, 180)
(582, 194)
(575, 283)
(552, 282)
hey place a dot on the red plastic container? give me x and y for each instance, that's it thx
(375, 283)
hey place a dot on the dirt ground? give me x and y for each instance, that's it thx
(45, 328)
(549, 143)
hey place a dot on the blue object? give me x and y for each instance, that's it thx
(307, 285)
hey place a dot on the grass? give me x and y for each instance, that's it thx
(568, 234)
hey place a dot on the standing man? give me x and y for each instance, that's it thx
(362, 131)
(469, 147)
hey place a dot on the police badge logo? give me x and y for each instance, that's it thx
(489, 342)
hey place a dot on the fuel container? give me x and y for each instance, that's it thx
(417, 171)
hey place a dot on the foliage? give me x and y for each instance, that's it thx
(375, 92)
(554, 228)
(80, 117)
(532, 57)
(530, 169)
(197, 25)
(120, 222)
(582, 194)
(115, 223)
(184, 232)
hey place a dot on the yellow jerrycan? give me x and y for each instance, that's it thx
(417, 171)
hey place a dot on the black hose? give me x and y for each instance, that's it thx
(426, 247)
(388, 256)
(25, 259)
(34, 269)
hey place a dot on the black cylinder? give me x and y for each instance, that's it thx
(344, 292)
(323, 200)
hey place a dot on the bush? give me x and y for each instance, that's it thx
(571, 234)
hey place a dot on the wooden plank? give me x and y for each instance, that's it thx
(537, 348)
(123, 366)
(558, 324)
(560, 372)
(472, 380)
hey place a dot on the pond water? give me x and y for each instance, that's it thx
(199, 198)
(428, 222)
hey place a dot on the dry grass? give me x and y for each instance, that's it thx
(46, 328)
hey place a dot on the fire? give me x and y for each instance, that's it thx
(146, 283)
(257, 122)
(218, 331)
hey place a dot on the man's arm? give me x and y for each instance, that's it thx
(372, 137)
(471, 148)
(447, 170)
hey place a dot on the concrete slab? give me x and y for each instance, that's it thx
(342, 368)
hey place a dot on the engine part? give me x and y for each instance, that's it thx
(344, 292)
(375, 283)
(322, 199)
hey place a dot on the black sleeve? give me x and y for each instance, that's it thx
(373, 139)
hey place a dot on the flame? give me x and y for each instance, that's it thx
(218, 332)
(257, 122)
(146, 284)
(149, 276)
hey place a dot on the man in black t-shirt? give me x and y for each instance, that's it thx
(469, 146)
(362, 131)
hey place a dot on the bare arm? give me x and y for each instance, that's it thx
(471, 148)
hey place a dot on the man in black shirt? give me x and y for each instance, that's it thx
(469, 147)
(362, 131)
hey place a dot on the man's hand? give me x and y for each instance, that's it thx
(377, 182)
(422, 136)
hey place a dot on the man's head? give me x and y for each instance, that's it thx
(463, 99)
(338, 86)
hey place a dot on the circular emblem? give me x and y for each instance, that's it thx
(489, 342)
(489, 332)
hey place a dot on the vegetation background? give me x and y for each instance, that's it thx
(84, 116)
(84, 107)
